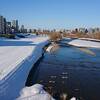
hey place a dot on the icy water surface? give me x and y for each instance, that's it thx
(69, 70)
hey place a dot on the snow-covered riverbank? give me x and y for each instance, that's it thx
(17, 57)
(84, 43)
(35, 92)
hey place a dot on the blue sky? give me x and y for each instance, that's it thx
(52, 13)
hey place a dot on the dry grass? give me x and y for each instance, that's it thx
(55, 36)
(84, 35)
(12, 36)
(95, 36)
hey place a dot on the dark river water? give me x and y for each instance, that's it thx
(69, 70)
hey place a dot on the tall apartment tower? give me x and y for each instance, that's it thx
(8, 27)
(22, 29)
(15, 25)
(2, 25)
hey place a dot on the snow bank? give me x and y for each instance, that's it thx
(49, 48)
(14, 52)
(17, 57)
(90, 39)
(84, 43)
(35, 92)
(73, 98)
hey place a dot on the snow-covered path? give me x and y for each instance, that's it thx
(16, 59)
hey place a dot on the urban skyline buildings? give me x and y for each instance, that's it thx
(7, 27)
(15, 26)
(2, 24)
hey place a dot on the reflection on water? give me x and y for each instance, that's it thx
(69, 72)
(86, 50)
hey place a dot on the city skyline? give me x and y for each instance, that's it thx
(52, 14)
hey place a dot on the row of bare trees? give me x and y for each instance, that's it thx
(89, 35)
(58, 35)
(83, 35)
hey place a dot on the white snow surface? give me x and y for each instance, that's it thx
(17, 57)
(49, 48)
(73, 98)
(35, 92)
(84, 43)
(14, 52)
(91, 39)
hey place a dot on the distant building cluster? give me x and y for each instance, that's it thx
(13, 27)
(76, 30)
(10, 27)
(89, 30)
(81, 30)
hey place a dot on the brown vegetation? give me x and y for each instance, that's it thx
(95, 35)
(83, 35)
(8, 35)
(54, 36)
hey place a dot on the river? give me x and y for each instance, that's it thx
(69, 70)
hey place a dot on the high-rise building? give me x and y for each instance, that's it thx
(5, 25)
(2, 25)
(30, 30)
(22, 29)
(15, 25)
(8, 27)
